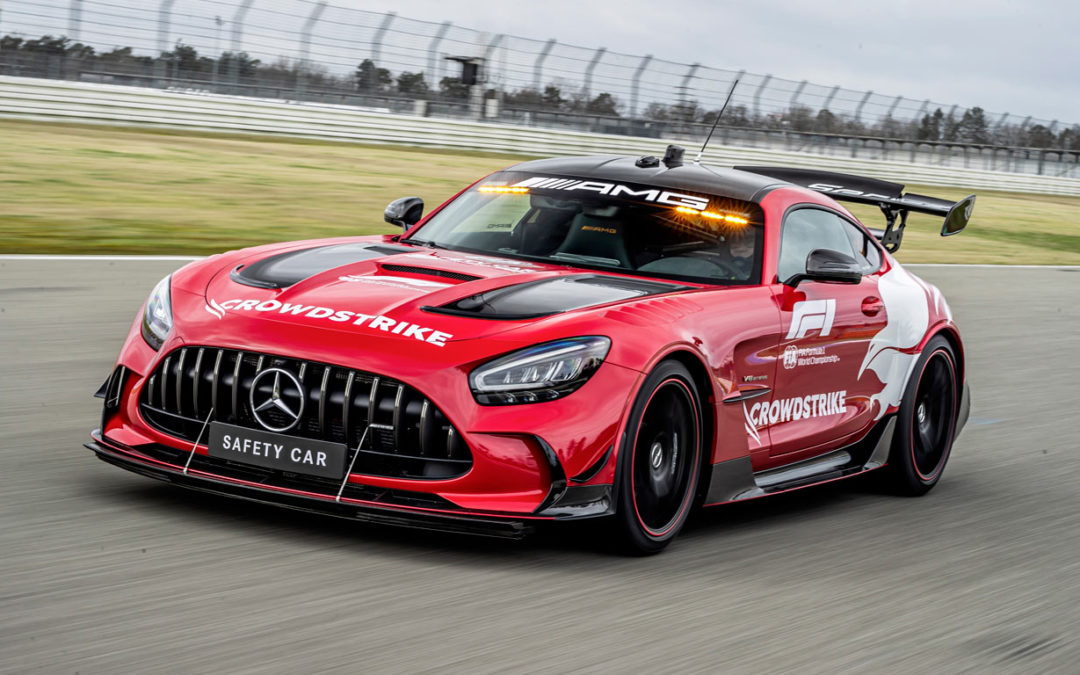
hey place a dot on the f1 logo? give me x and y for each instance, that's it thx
(808, 315)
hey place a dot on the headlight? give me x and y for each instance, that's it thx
(541, 373)
(157, 318)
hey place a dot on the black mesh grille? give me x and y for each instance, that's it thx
(406, 435)
(427, 271)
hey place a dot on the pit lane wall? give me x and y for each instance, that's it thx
(65, 101)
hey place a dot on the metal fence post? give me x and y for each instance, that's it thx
(757, 94)
(589, 72)
(828, 99)
(858, 108)
(636, 83)
(795, 97)
(236, 43)
(488, 51)
(433, 54)
(75, 20)
(892, 108)
(377, 40)
(485, 77)
(164, 18)
(538, 66)
(684, 100)
(305, 45)
(922, 110)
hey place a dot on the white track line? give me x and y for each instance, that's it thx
(136, 258)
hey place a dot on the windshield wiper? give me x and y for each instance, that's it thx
(419, 242)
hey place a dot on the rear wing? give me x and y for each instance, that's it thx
(889, 197)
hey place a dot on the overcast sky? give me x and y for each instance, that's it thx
(1003, 55)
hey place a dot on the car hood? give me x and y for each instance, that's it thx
(433, 296)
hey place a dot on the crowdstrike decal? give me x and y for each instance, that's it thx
(807, 356)
(369, 321)
(808, 315)
(783, 410)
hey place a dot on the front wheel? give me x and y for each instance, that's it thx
(926, 422)
(660, 460)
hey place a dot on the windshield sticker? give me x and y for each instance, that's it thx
(653, 195)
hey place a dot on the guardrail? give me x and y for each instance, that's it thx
(57, 100)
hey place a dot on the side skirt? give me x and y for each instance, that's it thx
(735, 480)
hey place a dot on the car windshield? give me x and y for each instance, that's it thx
(631, 228)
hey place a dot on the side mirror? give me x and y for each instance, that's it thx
(404, 212)
(826, 265)
(958, 216)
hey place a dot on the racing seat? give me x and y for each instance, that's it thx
(544, 230)
(596, 235)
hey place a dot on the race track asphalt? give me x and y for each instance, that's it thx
(103, 571)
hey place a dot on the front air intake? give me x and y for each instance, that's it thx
(404, 435)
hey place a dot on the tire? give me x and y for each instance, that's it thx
(926, 422)
(660, 461)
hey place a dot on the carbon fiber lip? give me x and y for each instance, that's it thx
(501, 528)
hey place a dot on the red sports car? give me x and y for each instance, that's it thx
(564, 339)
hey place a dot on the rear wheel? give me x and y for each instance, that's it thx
(926, 422)
(661, 460)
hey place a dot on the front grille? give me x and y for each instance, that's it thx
(406, 435)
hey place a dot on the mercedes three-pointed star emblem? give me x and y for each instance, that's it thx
(291, 410)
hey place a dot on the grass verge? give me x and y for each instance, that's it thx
(82, 189)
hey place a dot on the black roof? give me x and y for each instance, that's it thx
(729, 183)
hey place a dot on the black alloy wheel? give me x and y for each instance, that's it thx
(926, 422)
(661, 460)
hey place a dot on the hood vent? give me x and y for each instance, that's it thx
(534, 299)
(285, 269)
(427, 271)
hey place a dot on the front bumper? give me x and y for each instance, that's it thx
(356, 502)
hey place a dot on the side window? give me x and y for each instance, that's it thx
(805, 230)
(866, 253)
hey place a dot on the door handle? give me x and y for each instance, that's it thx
(872, 305)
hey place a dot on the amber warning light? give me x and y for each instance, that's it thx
(503, 189)
(712, 215)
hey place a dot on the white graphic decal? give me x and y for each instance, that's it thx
(907, 302)
(749, 424)
(808, 315)
(396, 282)
(215, 309)
(370, 321)
(798, 408)
(503, 264)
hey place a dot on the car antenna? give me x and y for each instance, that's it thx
(697, 160)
